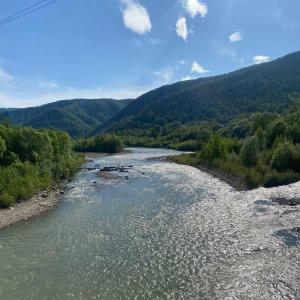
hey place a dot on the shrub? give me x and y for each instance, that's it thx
(215, 148)
(6, 200)
(286, 156)
(187, 146)
(275, 130)
(32, 160)
(274, 178)
(2, 147)
(253, 179)
(249, 152)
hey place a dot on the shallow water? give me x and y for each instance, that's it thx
(165, 232)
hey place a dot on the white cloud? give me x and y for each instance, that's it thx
(229, 52)
(165, 75)
(187, 78)
(235, 37)
(5, 76)
(195, 7)
(259, 59)
(148, 42)
(181, 28)
(136, 17)
(48, 84)
(16, 100)
(197, 68)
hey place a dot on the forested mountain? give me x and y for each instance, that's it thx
(259, 88)
(78, 117)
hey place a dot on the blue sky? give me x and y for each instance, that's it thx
(122, 48)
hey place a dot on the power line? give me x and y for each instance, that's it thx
(23, 10)
(26, 11)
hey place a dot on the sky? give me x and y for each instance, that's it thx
(123, 48)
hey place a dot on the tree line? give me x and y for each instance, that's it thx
(263, 149)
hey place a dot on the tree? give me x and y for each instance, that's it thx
(277, 129)
(249, 152)
(286, 156)
(215, 148)
(2, 147)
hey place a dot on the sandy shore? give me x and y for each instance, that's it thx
(38, 204)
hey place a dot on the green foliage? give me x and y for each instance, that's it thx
(274, 178)
(77, 117)
(31, 160)
(6, 200)
(101, 143)
(267, 152)
(286, 157)
(249, 152)
(264, 89)
(215, 148)
(2, 147)
(276, 129)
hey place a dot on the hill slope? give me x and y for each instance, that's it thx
(78, 117)
(264, 87)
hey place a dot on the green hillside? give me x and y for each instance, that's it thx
(78, 117)
(259, 88)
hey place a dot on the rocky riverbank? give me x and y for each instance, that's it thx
(38, 204)
(41, 202)
(235, 181)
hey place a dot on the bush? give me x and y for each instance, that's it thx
(32, 160)
(6, 200)
(249, 152)
(286, 156)
(2, 147)
(274, 178)
(215, 148)
(253, 179)
(187, 146)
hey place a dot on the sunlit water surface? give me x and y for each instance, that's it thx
(165, 232)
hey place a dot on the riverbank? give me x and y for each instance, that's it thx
(41, 202)
(93, 155)
(235, 181)
(38, 204)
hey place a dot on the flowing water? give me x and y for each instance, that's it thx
(160, 231)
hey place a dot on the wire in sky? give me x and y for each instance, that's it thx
(28, 10)
(23, 10)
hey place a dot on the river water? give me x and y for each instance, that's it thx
(160, 231)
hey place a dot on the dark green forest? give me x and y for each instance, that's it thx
(260, 88)
(106, 143)
(260, 149)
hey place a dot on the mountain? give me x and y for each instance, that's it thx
(264, 87)
(78, 117)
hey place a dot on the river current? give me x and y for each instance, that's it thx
(158, 231)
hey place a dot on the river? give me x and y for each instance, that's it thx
(160, 231)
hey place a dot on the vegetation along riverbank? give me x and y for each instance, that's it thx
(32, 160)
(255, 149)
(34, 163)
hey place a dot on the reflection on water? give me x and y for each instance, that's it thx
(164, 232)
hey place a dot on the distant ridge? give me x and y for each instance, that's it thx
(264, 87)
(78, 117)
